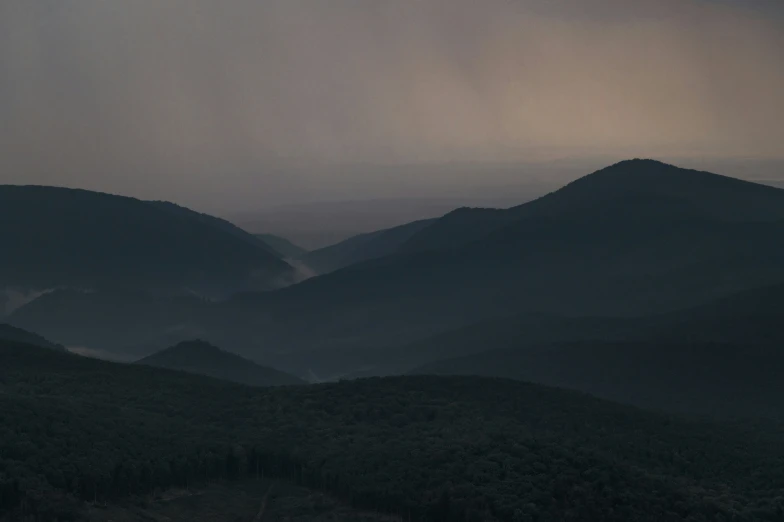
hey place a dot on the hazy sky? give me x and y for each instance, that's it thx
(210, 103)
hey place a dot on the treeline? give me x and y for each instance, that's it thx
(74, 430)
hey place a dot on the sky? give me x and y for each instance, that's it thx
(243, 104)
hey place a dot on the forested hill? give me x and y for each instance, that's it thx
(718, 380)
(363, 247)
(427, 448)
(56, 237)
(710, 195)
(12, 334)
(202, 358)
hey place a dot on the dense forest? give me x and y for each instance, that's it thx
(77, 430)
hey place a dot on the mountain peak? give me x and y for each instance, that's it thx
(711, 195)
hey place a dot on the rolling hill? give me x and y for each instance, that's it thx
(126, 323)
(363, 247)
(415, 447)
(710, 195)
(56, 237)
(750, 317)
(12, 334)
(654, 244)
(716, 380)
(636, 239)
(202, 358)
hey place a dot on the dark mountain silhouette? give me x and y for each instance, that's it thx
(718, 380)
(656, 243)
(439, 448)
(17, 335)
(282, 246)
(57, 237)
(709, 195)
(202, 358)
(635, 239)
(363, 247)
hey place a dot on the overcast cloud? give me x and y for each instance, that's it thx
(210, 103)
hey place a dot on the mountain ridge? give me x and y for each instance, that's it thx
(106, 240)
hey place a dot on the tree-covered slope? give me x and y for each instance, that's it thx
(710, 379)
(282, 246)
(711, 195)
(17, 335)
(202, 358)
(55, 237)
(635, 239)
(427, 448)
(749, 317)
(363, 247)
(127, 323)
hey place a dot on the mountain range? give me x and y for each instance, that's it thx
(637, 239)
(653, 297)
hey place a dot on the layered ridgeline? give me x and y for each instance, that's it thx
(202, 358)
(56, 237)
(722, 359)
(635, 239)
(425, 448)
(124, 323)
(751, 317)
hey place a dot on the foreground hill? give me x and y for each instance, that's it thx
(202, 358)
(717, 380)
(426, 448)
(56, 237)
(363, 247)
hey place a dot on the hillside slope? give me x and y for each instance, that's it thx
(750, 317)
(17, 335)
(426, 448)
(56, 237)
(202, 358)
(363, 247)
(636, 250)
(717, 380)
(711, 195)
(282, 246)
(635, 239)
